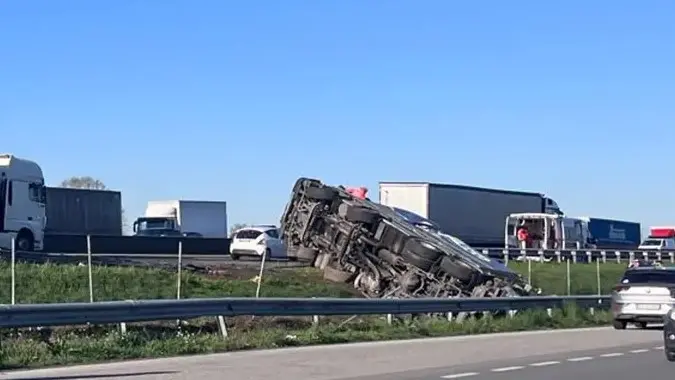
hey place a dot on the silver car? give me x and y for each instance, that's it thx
(644, 295)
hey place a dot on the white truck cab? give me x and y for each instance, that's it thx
(22, 203)
(547, 231)
(660, 238)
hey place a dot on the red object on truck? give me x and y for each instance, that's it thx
(662, 232)
(357, 192)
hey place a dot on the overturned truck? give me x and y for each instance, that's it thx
(383, 254)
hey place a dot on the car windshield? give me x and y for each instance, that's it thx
(248, 234)
(649, 277)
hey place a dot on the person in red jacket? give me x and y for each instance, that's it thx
(523, 235)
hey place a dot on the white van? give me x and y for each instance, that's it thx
(22, 204)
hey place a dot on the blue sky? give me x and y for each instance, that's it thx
(234, 100)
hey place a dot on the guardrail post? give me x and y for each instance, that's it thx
(569, 280)
(574, 256)
(631, 256)
(589, 257)
(558, 255)
(13, 270)
(659, 256)
(603, 254)
(222, 327)
(315, 318)
(672, 257)
(390, 318)
(541, 255)
(618, 256)
(91, 277)
(180, 273)
(506, 253)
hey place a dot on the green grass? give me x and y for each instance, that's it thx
(552, 277)
(70, 283)
(96, 344)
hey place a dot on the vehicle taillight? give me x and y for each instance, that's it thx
(619, 288)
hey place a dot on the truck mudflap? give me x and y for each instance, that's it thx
(381, 253)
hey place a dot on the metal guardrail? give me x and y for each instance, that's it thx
(62, 314)
(578, 255)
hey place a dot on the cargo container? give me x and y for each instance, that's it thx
(183, 217)
(83, 211)
(473, 214)
(611, 233)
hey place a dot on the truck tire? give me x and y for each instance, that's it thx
(418, 261)
(422, 249)
(321, 193)
(336, 275)
(363, 215)
(24, 241)
(456, 269)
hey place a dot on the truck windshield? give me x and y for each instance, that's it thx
(155, 224)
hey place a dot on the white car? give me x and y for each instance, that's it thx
(256, 241)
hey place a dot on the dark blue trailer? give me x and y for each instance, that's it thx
(610, 233)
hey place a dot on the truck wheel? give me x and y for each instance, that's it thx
(363, 215)
(670, 355)
(320, 193)
(24, 242)
(335, 275)
(422, 249)
(456, 269)
(416, 260)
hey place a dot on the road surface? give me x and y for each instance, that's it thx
(599, 354)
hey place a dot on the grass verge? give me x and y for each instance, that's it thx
(552, 277)
(23, 349)
(69, 283)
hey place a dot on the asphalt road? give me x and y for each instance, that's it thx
(599, 354)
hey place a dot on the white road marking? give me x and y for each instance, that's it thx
(504, 369)
(638, 351)
(458, 375)
(612, 355)
(544, 364)
(658, 348)
(580, 359)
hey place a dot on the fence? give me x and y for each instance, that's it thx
(32, 315)
(562, 275)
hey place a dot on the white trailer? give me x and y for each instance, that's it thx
(473, 214)
(183, 217)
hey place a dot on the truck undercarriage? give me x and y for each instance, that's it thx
(374, 248)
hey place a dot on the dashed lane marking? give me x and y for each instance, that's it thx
(580, 359)
(549, 363)
(544, 364)
(505, 369)
(460, 375)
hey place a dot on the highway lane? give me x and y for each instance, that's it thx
(510, 356)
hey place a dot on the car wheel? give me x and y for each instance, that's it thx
(234, 257)
(670, 355)
(361, 215)
(320, 193)
(619, 325)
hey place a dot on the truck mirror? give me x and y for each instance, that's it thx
(135, 226)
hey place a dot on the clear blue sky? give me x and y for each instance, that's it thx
(234, 100)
